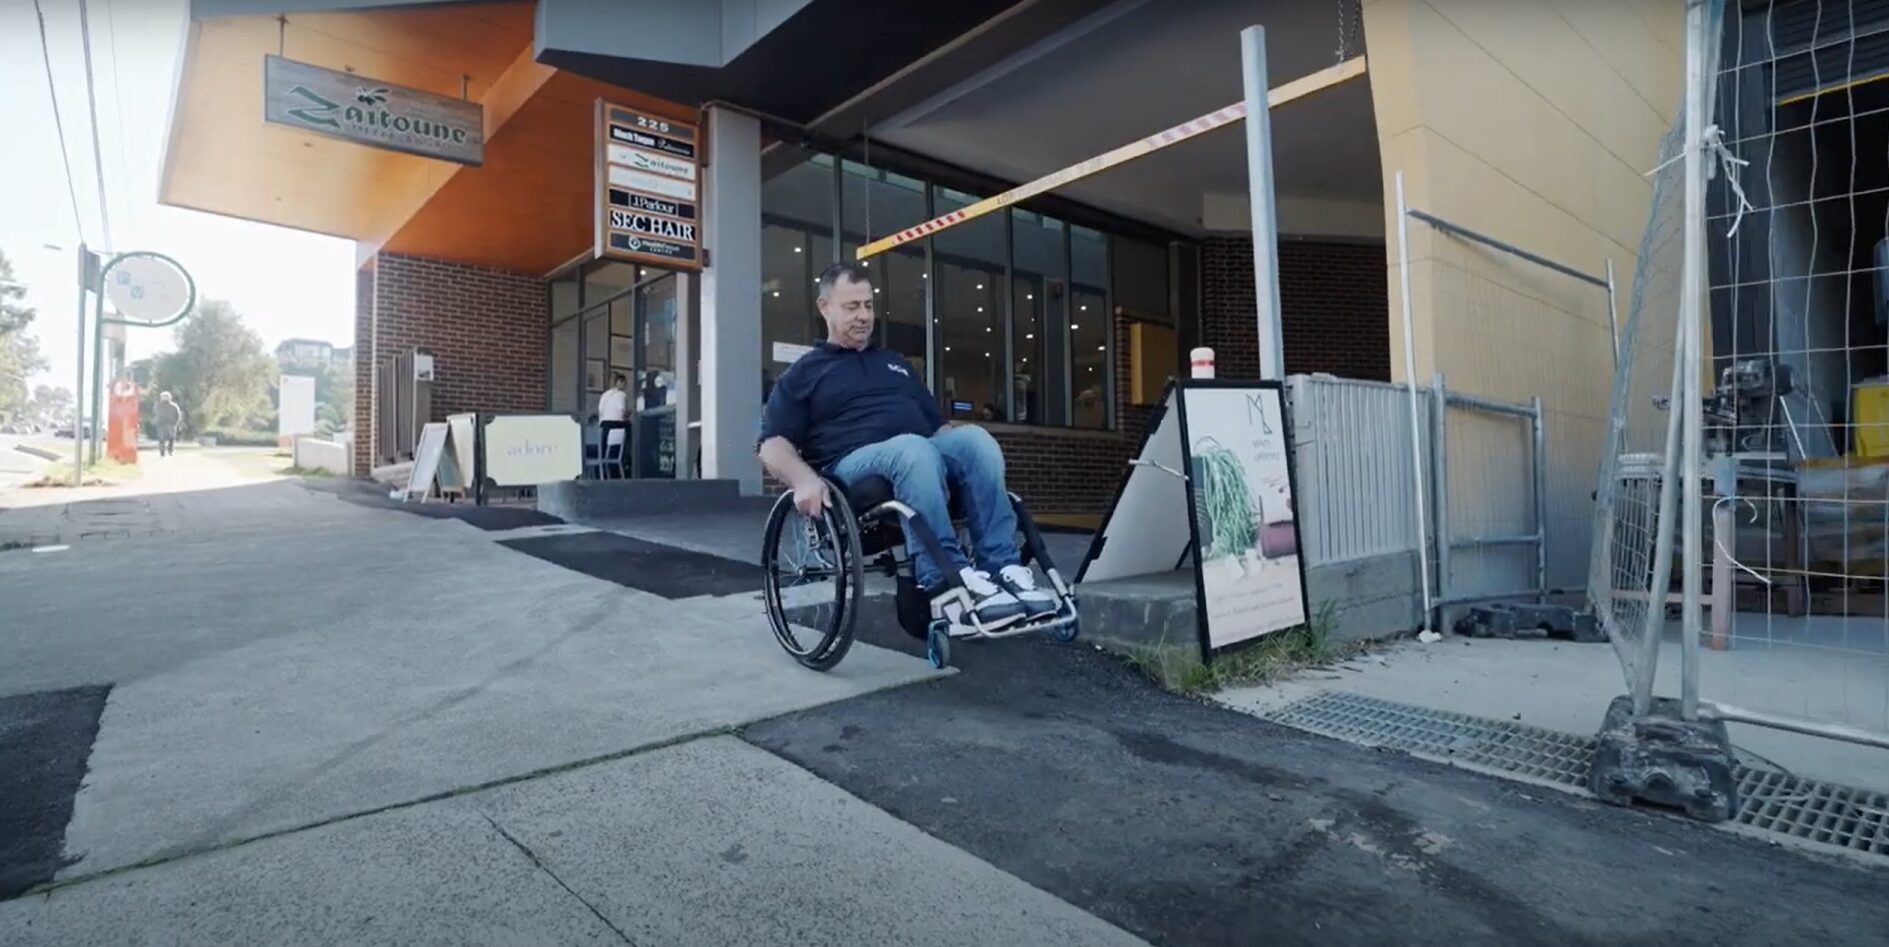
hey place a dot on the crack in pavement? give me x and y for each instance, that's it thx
(535, 860)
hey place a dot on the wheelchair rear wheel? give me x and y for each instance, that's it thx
(813, 579)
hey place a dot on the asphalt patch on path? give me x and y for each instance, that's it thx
(45, 740)
(650, 567)
(1191, 824)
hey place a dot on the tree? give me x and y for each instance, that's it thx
(51, 405)
(19, 359)
(219, 372)
(14, 314)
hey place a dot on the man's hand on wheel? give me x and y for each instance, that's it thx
(812, 497)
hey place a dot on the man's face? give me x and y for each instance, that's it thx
(848, 311)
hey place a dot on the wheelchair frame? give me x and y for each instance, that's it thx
(875, 540)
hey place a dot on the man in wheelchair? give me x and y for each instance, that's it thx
(851, 410)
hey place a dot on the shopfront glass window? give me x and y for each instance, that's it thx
(606, 278)
(796, 244)
(563, 297)
(874, 203)
(1039, 297)
(1140, 279)
(1090, 325)
(967, 301)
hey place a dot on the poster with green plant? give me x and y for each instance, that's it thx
(1246, 532)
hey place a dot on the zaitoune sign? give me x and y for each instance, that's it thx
(370, 112)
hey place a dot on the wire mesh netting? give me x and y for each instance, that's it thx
(1795, 392)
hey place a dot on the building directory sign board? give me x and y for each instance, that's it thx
(370, 112)
(649, 171)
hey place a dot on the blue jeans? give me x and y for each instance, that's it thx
(964, 460)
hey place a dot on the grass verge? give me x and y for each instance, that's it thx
(102, 474)
(1178, 667)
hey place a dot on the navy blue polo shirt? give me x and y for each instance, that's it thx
(834, 400)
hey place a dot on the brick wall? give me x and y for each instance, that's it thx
(485, 328)
(365, 397)
(1333, 301)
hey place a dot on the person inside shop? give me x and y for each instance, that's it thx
(852, 410)
(613, 414)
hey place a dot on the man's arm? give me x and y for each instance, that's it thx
(782, 459)
(783, 422)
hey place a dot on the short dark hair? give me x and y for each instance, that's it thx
(619, 377)
(850, 272)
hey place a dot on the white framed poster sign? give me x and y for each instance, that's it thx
(1250, 578)
(1213, 483)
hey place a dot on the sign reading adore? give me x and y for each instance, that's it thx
(379, 114)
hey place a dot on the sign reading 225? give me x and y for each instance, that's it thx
(652, 124)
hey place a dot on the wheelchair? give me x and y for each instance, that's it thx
(865, 531)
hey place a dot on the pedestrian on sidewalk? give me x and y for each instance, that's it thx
(170, 417)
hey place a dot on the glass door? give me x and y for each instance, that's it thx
(653, 379)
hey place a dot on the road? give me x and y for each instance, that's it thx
(17, 467)
(268, 714)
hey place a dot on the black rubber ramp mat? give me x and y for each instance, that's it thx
(650, 567)
(1192, 825)
(45, 740)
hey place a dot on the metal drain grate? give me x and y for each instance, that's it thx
(1769, 800)
(1509, 747)
(1829, 814)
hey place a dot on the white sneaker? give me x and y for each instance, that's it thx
(980, 604)
(1020, 581)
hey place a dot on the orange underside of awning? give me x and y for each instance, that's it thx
(527, 209)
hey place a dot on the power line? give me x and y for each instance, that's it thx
(118, 109)
(91, 101)
(78, 220)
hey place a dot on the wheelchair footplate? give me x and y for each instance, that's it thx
(1064, 625)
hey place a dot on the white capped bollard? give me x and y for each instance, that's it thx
(1202, 360)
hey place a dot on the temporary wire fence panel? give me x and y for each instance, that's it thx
(1795, 525)
(1627, 496)
(1798, 233)
(1491, 514)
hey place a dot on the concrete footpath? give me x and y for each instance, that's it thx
(276, 717)
(334, 724)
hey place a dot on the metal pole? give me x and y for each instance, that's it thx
(1458, 230)
(1440, 488)
(1410, 383)
(1259, 184)
(1724, 541)
(1613, 314)
(1654, 628)
(1538, 430)
(78, 379)
(1690, 314)
(98, 367)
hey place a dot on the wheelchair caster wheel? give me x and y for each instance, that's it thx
(1066, 633)
(938, 646)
